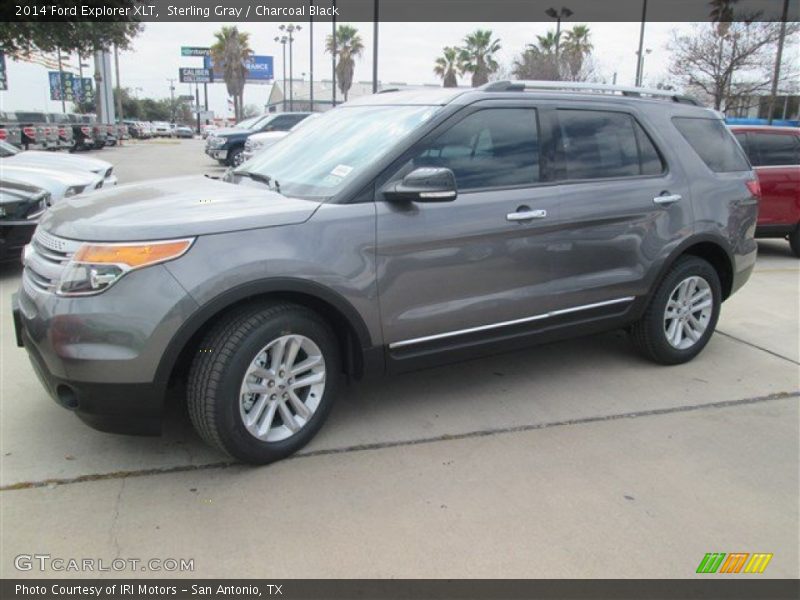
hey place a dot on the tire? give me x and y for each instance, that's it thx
(651, 333)
(219, 373)
(223, 163)
(235, 157)
(794, 241)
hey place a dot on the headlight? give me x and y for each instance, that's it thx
(96, 267)
(257, 145)
(74, 190)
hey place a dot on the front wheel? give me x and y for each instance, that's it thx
(236, 157)
(682, 313)
(263, 381)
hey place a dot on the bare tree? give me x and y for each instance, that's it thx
(728, 61)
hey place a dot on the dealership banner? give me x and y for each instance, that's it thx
(3, 76)
(670, 11)
(62, 86)
(259, 69)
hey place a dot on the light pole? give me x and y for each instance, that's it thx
(375, 48)
(290, 29)
(282, 40)
(564, 13)
(333, 54)
(311, 59)
(640, 66)
(779, 55)
(172, 98)
(639, 62)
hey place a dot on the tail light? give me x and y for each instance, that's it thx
(3, 134)
(754, 186)
(86, 130)
(62, 131)
(29, 131)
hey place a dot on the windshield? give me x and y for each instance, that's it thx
(248, 123)
(318, 159)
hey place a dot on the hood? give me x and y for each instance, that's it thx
(172, 208)
(82, 163)
(31, 173)
(226, 131)
(268, 136)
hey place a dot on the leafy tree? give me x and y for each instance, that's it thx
(348, 47)
(477, 56)
(447, 67)
(229, 53)
(574, 61)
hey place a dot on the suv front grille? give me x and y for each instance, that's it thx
(46, 259)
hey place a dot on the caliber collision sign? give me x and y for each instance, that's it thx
(192, 75)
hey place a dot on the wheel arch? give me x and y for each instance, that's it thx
(350, 329)
(711, 249)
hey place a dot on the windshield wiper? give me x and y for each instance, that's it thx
(265, 179)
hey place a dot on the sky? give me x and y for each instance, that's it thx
(406, 54)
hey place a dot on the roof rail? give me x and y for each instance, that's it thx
(388, 90)
(581, 86)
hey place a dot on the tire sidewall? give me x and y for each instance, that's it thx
(689, 268)
(235, 438)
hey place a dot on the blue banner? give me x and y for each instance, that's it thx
(259, 69)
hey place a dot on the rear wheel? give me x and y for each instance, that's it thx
(264, 381)
(794, 241)
(682, 314)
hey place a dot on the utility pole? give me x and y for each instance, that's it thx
(777, 74)
(172, 99)
(197, 104)
(375, 49)
(283, 40)
(119, 89)
(333, 56)
(311, 59)
(61, 82)
(640, 60)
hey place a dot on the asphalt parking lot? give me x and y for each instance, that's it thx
(576, 459)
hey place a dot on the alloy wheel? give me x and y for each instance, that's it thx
(688, 312)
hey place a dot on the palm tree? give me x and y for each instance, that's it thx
(546, 44)
(576, 47)
(477, 56)
(446, 67)
(348, 46)
(230, 52)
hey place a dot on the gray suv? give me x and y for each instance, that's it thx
(397, 231)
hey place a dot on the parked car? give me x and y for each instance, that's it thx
(32, 127)
(82, 133)
(775, 154)
(259, 142)
(99, 130)
(59, 183)
(182, 131)
(21, 205)
(400, 230)
(206, 130)
(10, 155)
(162, 129)
(227, 145)
(62, 126)
(10, 131)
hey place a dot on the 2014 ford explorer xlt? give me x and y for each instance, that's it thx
(396, 231)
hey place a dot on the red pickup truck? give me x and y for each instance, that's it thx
(775, 154)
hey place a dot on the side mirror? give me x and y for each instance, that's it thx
(426, 184)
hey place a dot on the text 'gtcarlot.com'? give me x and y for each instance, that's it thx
(46, 562)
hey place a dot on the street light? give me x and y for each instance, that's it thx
(640, 65)
(283, 40)
(290, 29)
(564, 13)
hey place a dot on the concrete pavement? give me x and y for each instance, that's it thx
(552, 462)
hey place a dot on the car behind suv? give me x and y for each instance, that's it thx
(395, 232)
(775, 154)
(227, 145)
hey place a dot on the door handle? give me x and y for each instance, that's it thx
(667, 199)
(526, 215)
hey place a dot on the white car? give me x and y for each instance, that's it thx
(162, 129)
(60, 184)
(258, 142)
(13, 156)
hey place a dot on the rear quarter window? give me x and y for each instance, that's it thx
(713, 143)
(775, 149)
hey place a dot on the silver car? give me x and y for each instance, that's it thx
(397, 231)
(10, 155)
(60, 184)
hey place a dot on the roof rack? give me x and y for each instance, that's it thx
(599, 88)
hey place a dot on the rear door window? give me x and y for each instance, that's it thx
(775, 149)
(713, 143)
(604, 144)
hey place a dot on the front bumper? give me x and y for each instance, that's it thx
(220, 153)
(98, 356)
